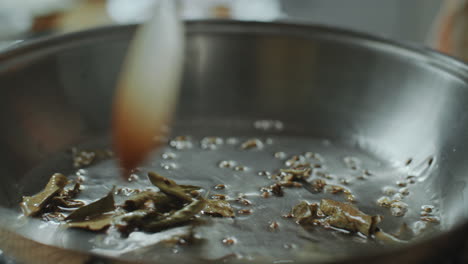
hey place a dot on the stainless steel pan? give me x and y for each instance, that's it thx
(393, 101)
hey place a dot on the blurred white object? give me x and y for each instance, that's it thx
(131, 11)
(258, 10)
(148, 86)
(14, 21)
(17, 16)
(450, 34)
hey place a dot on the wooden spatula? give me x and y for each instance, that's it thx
(148, 87)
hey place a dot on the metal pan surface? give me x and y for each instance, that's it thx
(341, 94)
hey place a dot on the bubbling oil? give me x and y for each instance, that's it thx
(239, 168)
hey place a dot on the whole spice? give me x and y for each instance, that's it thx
(218, 208)
(305, 213)
(347, 216)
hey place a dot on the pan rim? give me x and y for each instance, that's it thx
(425, 54)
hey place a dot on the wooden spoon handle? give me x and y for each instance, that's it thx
(148, 87)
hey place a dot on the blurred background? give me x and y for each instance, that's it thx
(416, 20)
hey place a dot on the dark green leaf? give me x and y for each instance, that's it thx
(97, 223)
(169, 187)
(33, 205)
(178, 217)
(137, 201)
(59, 201)
(93, 209)
(135, 220)
(71, 193)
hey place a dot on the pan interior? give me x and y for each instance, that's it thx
(336, 93)
(366, 172)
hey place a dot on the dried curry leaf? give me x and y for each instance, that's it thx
(336, 189)
(128, 222)
(137, 201)
(305, 213)
(33, 205)
(189, 188)
(97, 223)
(348, 217)
(218, 208)
(71, 193)
(96, 208)
(176, 218)
(59, 201)
(297, 174)
(169, 187)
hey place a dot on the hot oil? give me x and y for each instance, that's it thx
(243, 166)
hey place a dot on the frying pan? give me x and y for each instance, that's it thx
(394, 101)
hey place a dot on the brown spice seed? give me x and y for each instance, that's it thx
(251, 143)
(273, 226)
(427, 208)
(277, 189)
(401, 183)
(318, 184)
(240, 168)
(244, 211)
(229, 241)
(220, 187)
(244, 201)
(218, 197)
(431, 219)
(385, 201)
